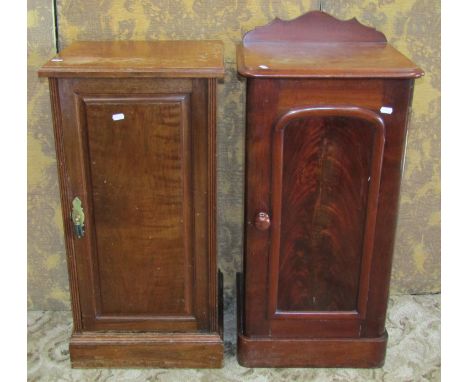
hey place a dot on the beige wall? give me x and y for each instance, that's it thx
(413, 26)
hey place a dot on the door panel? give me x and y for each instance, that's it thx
(326, 164)
(324, 195)
(142, 203)
(134, 162)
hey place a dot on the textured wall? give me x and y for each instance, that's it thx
(413, 26)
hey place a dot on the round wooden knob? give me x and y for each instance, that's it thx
(262, 221)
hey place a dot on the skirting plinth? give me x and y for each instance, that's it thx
(306, 352)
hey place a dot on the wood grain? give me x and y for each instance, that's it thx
(296, 351)
(314, 26)
(140, 154)
(144, 350)
(309, 60)
(142, 203)
(271, 96)
(321, 198)
(139, 238)
(170, 59)
(65, 197)
(211, 147)
(326, 127)
(399, 93)
(317, 45)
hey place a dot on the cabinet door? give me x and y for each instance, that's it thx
(325, 166)
(135, 155)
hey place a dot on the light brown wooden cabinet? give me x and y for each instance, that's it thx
(328, 103)
(135, 128)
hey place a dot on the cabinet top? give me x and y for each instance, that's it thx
(179, 58)
(317, 45)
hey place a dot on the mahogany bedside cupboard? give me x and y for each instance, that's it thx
(327, 110)
(135, 127)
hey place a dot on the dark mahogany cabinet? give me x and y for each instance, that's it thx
(327, 111)
(135, 126)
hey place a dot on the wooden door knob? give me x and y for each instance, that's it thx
(262, 221)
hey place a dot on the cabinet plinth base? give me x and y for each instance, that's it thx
(306, 352)
(95, 350)
(139, 350)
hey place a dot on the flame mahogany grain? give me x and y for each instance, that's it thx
(316, 45)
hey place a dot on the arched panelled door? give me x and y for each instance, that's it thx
(325, 166)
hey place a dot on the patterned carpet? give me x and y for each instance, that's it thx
(413, 352)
